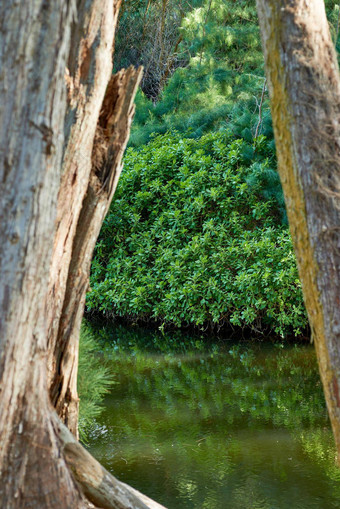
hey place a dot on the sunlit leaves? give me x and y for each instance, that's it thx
(194, 236)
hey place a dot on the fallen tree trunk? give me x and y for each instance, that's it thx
(99, 486)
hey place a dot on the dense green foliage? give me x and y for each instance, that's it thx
(220, 78)
(214, 77)
(197, 233)
(94, 380)
(195, 236)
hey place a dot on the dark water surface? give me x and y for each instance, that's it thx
(225, 425)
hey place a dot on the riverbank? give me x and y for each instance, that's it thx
(211, 333)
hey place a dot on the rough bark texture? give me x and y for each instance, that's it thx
(89, 70)
(109, 143)
(34, 36)
(304, 86)
(52, 201)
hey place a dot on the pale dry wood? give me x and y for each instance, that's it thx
(87, 75)
(113, 129)
(304, 86)
(99, 117)
(99, 486)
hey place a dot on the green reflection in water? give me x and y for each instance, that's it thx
(214, 426)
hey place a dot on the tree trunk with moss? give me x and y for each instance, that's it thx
(304, 86)
(60, 158)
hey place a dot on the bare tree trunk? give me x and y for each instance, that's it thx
(304, 87)
(98, 125)
(49, 218)
(34, 39)
(110, 140)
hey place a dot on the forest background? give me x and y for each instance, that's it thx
(197, 234)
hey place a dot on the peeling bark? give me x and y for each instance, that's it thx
(100, 111)
(55, 185)
(88, 73)
(304, 86)
(109, 144)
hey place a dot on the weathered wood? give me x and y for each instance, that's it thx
(34, 40)
(98, 126)
(111, 135)
(304, 86)
(99, 486)
(87, 75)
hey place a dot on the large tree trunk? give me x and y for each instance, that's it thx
(304, 87)
(32, 109)
(49, 219)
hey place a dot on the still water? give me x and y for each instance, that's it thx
(215, 426)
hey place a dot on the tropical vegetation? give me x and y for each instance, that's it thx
(197, 235)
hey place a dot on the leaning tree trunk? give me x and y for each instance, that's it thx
(49, 218)
(304, 87)
(100, 110)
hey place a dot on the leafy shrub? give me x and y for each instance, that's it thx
(195, 236)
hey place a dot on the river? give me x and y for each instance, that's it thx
(205, 424)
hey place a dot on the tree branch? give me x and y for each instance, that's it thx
(260, 109)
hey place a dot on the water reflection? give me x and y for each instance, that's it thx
(216, 426)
